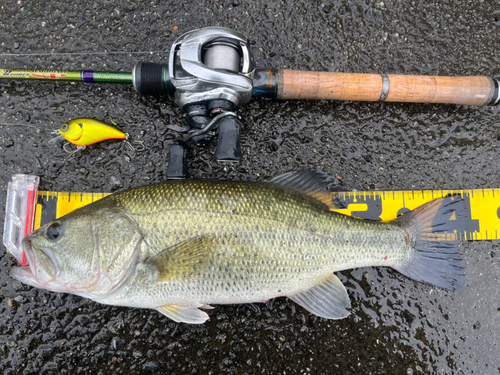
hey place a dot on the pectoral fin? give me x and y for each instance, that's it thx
(185, 313)
(327, 299)
(185, 259)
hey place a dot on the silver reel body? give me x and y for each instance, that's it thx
(212, 63)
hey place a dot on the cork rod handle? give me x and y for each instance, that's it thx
(477, 91)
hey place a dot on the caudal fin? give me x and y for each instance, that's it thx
(436, 262)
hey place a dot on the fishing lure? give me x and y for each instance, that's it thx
(86, 131)
(83, 132)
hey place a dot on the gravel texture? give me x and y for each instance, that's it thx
(397, 326)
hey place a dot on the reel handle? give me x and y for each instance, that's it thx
(177, 164)
(229, 141)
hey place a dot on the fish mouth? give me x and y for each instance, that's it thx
(30, 256)
(24, 275)
(43, 266)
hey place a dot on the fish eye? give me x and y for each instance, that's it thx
(64, 127)
(54, 231)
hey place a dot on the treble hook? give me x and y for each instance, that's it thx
(79, 148)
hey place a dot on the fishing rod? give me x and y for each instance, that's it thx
(211, 71)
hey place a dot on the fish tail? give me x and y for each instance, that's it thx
(433, 229)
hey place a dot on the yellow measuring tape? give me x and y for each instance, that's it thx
(482, 206)
(53, 205)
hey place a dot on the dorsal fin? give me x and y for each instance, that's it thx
(312, 183)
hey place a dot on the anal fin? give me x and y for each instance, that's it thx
(188, 313)
(327, 299)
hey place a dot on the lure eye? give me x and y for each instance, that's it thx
(64, 127)
(54, 231)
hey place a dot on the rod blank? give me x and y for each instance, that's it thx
(88, 76)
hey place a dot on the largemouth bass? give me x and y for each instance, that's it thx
(183, 245)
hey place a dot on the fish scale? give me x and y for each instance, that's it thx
(182, 245)
(265, 237)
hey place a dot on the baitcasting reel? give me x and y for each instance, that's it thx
(210, 73)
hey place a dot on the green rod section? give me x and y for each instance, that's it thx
(88, 76)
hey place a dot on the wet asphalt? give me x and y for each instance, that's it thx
(397, 326)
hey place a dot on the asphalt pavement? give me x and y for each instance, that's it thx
(397, 326)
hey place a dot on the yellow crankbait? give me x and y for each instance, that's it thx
(86, 131)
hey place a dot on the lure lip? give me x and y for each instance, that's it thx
(56, 140)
